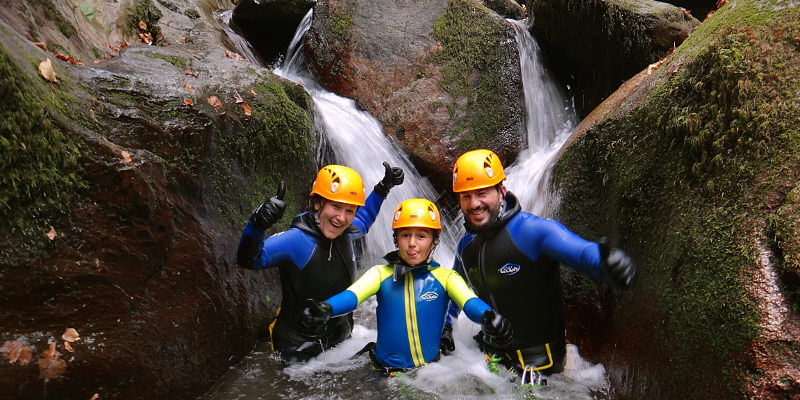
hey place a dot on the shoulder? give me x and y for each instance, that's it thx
(465, 240)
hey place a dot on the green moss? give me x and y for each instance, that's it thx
(471, 60)
(147, 12)
(277, 143)
(39, 170)
(174, 60)
(341, 25)
(46, 6)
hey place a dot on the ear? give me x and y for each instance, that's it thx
(502, 191)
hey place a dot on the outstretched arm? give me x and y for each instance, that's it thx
(366, 286)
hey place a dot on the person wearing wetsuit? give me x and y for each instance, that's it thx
(315, 257)
(413, 295)
(511, 259)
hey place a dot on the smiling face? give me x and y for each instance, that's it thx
(481, 206)
(414, 244)
(334, 217)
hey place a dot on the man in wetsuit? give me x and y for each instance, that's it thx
(413, 295)
(315, 257)
(511, 259)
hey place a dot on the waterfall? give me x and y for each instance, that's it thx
(550, 117)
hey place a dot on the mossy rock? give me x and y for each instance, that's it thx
(691, 175)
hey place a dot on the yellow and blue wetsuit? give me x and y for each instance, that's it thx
(411, 308)
(514, 266)
(311, 267)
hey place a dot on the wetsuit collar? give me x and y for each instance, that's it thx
(401, 267)
(508, 210)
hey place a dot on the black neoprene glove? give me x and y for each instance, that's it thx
(447, 345)
(619, 268)
(497, 331)
(271, 211)
(315, 315)
(391, 178)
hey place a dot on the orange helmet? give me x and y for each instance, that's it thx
(477, 169)
(416, 213)
(339, 183)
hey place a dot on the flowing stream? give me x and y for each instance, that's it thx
(354, 138)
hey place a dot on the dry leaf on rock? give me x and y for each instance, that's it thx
(41, 45)
(142, 25)
(50, 363)
(68, 347)
(146, 38)
(16, 351)
(70, 335)
(46, 69)
(188, 86)
(95, 397)
(245, 108)
(51, 234)
(69, 59)
(187, 101)
(126, 157)
(192, 73)
(214, 101)
(238, 98)
(233, 55)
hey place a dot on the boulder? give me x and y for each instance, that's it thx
(694, 171)
(441, 76)
(125, 185)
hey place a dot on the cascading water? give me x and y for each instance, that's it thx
(354, 138)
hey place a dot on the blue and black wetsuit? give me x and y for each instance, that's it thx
(514, 266)
(311, 267)
(412, 306)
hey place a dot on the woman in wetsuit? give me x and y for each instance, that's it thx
(315, 257)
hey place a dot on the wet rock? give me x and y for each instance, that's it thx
(442, 77)
(616, 40)
(147, 212)
(679, 169)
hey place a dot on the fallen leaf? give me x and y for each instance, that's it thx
(71, 335)
(46, 69)
(69, 59)
(41, 45)
(192, 73)
(16, 351)
(245, 108)
(94, 101)
(142, 25)
(253, 92)
(214, 101)
(95, 397)
(68, 347)
(146, 37)
(52, 233)
(188, 86)
(238, 98)
(777, 34)
(233, 55)
(654, 66)
(187, 101)
(50, 363)
(126, 157)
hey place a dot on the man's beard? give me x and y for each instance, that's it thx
(486, 226)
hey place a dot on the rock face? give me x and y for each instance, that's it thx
(694, 171)
(442, 76)
(124, 188)
(616, 40)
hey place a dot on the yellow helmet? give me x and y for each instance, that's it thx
(416, 213)
(477, 169)
(339, 183)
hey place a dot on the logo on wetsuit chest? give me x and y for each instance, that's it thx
(509, 269)
(429, 296)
